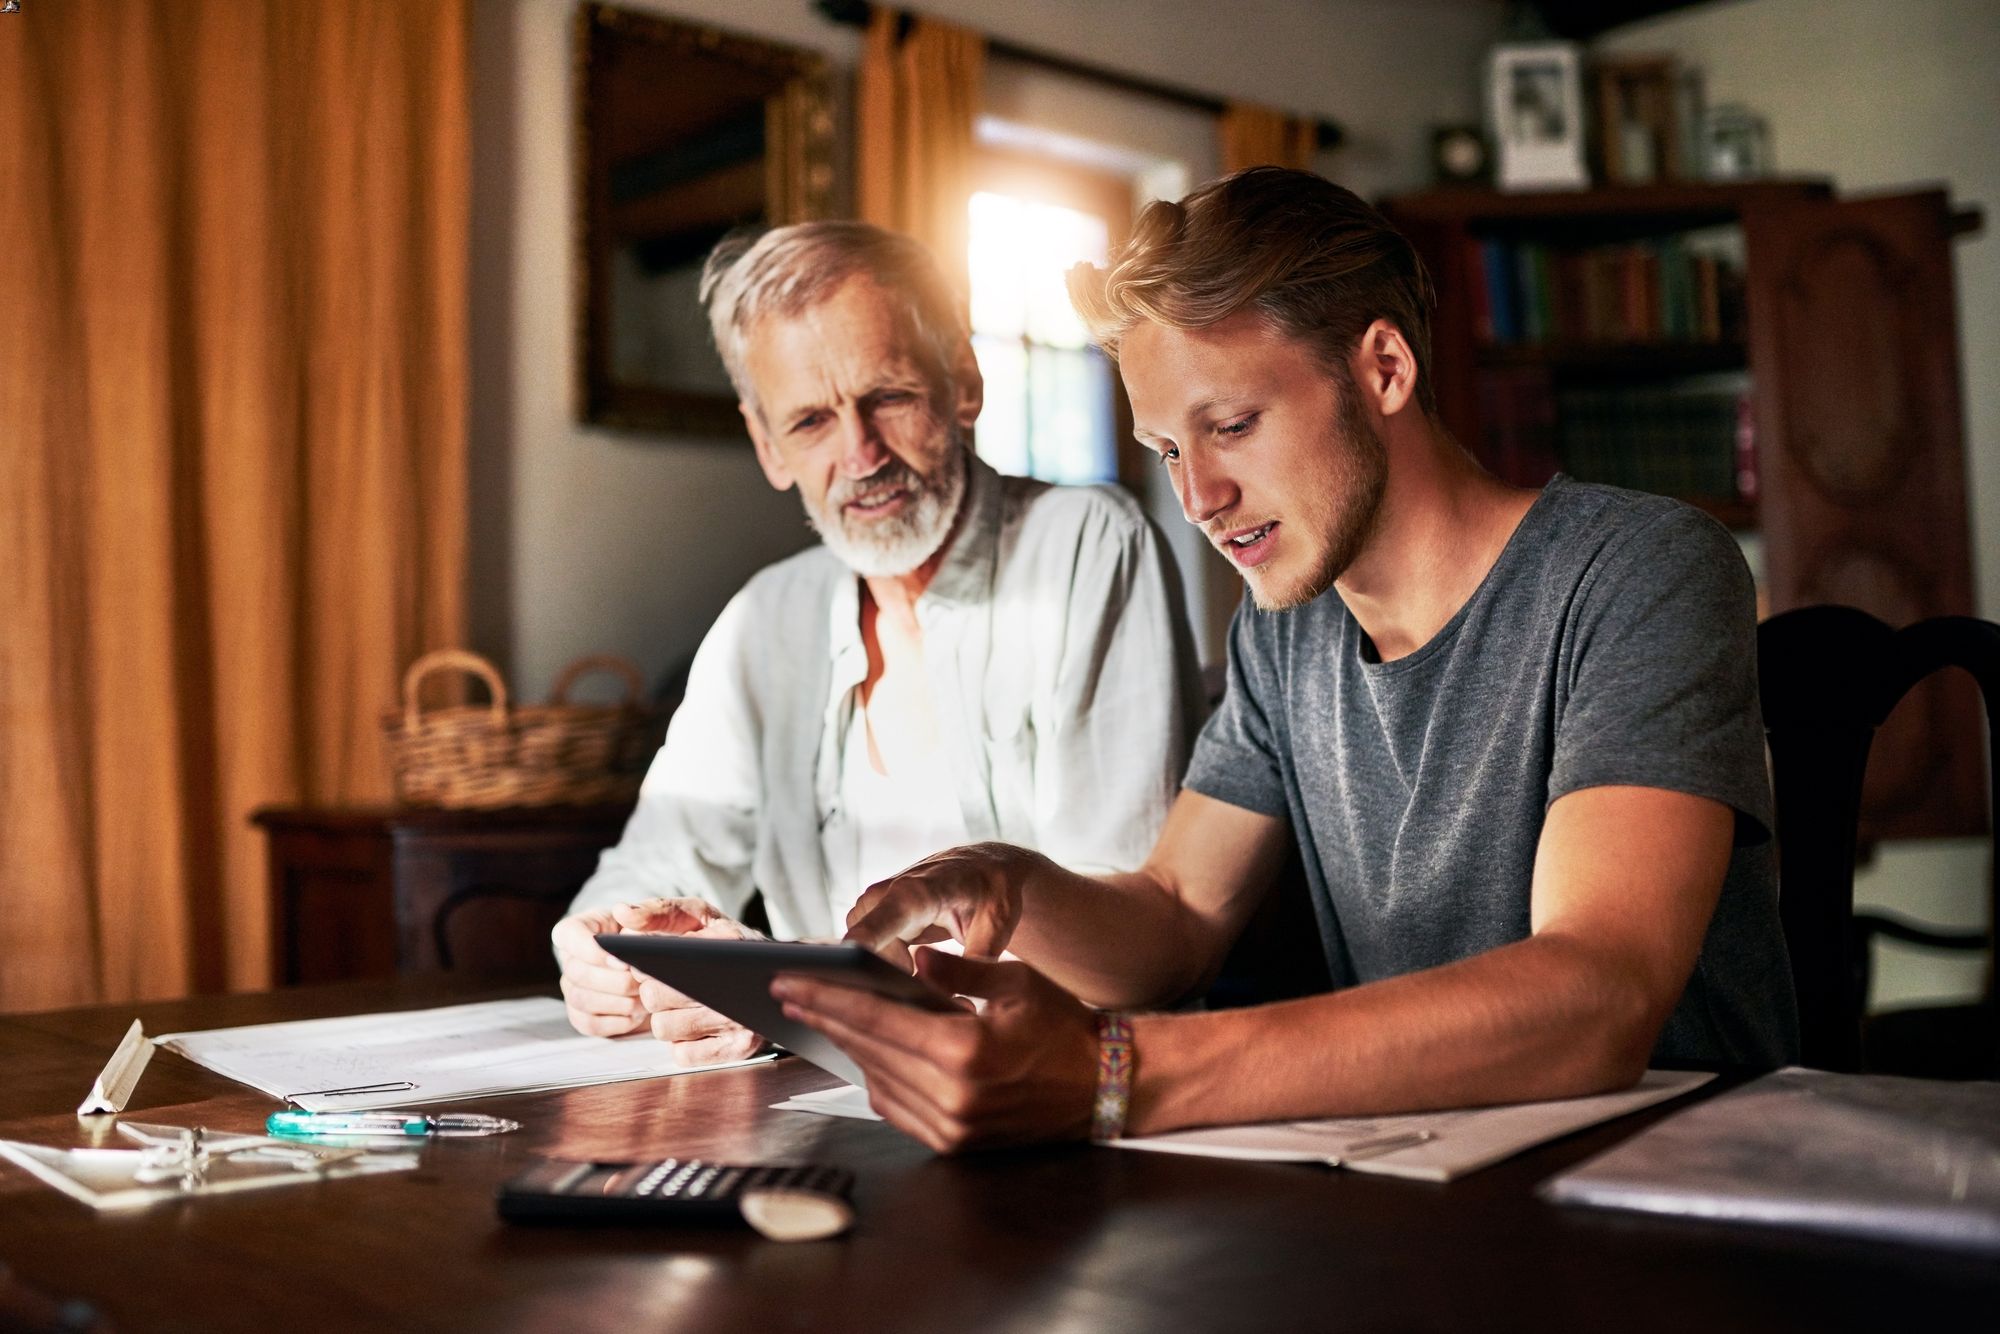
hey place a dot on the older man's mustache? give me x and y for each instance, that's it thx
(877, 486)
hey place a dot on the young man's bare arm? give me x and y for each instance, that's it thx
(1626, 880)
(1151, 937)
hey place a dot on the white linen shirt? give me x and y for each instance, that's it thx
(1061, 670)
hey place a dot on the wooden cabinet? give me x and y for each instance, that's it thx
(1836, 327)
(380, 891)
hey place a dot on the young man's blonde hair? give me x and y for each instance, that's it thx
(1309, 257)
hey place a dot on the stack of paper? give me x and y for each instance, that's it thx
(1876, 1155)
(423, 1056)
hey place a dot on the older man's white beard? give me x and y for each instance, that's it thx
(888, 547)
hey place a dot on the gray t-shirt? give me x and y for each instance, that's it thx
(1613, 642)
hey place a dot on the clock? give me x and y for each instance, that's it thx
(1459, 155)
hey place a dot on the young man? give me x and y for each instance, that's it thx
(968, 656)
(1514, 735)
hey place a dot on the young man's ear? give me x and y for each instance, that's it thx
(1385, 369)
(970, 387)
(768, 458)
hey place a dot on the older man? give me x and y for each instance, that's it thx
(1513, 736)
(966, 657)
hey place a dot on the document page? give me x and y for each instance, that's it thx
(1424, 1146)
(417, 1056)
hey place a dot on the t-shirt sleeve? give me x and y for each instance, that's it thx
(1236, 755)
(1661, 676)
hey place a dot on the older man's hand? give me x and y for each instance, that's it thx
(1022, 1069)
(606, 997)
(970, 894)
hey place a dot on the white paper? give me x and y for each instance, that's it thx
(113, 1088)
(1456, 1142)
(842, 1100)
(424, 1056)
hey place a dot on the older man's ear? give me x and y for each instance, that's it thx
(969, 386)
(768, 458)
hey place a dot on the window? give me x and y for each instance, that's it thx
(1051, 401)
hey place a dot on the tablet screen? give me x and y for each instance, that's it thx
(733, 978)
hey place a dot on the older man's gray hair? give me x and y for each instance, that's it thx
(788, 270)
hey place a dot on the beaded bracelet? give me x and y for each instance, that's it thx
(1114, 1076)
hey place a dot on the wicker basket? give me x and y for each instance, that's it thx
(471, 756)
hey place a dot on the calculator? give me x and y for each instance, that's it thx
(672, 1190)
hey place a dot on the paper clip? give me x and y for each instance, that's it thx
(395, 1086)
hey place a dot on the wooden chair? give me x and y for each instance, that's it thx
(1829, 676)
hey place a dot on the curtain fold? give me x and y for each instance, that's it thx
(917, 95)
(1254, 136)
(232, 454)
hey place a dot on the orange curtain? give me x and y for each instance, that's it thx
(232, 454)
(918, 93)
(1254, 136)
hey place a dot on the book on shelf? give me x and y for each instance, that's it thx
(1661, 290)
(1678, 440)
(1690, 439)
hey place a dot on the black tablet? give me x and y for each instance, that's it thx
(733, 977)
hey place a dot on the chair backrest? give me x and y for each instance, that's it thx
(1828, 677)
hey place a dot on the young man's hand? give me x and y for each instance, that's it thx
(1023, 1069)
(606, 997)
(970, 894)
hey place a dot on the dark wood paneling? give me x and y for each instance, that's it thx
(1854, 339)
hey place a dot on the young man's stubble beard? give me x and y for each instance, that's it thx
(1343, 507)
(895, 545)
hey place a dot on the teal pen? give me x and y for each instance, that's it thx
(386, 1123)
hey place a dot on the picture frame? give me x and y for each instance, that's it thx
(1735, 144)
(1535, 92)
(1638, 121)
(681, 133)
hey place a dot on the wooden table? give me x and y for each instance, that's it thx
(1070, 1238)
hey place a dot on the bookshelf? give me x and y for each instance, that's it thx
(1778, 355)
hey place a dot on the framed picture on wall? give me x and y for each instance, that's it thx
(1536, 91)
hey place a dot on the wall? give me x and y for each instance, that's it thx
(587, 540)
(1881, 97)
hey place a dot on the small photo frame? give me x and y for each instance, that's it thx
(1638, 120)
(1735, 144)
(1536, 91)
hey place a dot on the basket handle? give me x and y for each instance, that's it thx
(635, 685)
(445, 659)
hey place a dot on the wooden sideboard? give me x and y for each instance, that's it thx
(376, 891)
